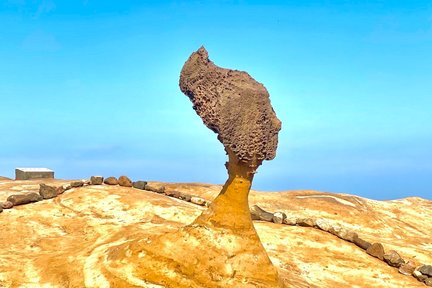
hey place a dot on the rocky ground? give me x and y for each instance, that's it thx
(58, 242)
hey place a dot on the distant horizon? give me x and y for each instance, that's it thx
(91, 88)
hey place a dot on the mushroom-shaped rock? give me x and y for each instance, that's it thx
(222, 240)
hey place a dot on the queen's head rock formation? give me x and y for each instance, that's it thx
(221, 247)
(233, 105)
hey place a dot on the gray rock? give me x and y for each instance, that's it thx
(48, 191)
(125, 181)
(21, 199)
(260, 214)
(393, 259)
(361, 243)
(154, 188)
(376, 250)
(419, 276)
(111, 181)
(96, 180)
(306, 222)
(407, 268)
(426, 270)
(6, 205)
(428, 281)
(279, 217)
(139, 184)
(76, 184)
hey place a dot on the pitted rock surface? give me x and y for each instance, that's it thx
(233, 105)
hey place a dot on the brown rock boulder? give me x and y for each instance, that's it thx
(139, 184)
(77, 184)
(155, 188)
(257, 213)
(21, 199)
(6, 205)
(407, 268)
(306, 222)
(426, 270)
(217, 94)
(279, 217)
(49, 191)
(185, 197)
(419, 276)
(96, 180)
(361, 242)
(111, 181)
(393, 259)
(376, 250)
(124, 181)
(172, 193)
(428, 281)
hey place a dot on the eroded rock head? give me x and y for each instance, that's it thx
(233, 105)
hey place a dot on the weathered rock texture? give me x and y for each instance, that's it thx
(222, 240)
(233, 105)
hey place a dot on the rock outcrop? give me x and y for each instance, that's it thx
(222, 239)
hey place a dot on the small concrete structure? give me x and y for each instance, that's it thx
(33, 173)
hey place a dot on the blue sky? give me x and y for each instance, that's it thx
(91, 87)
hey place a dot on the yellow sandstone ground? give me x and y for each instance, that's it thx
(61, 242)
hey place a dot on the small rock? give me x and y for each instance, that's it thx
(323, 224)
(376, 250)
(419, 276)
(428, 281)
(66, 187)
(343, 233)
(407, 268)
(124, 181)
(21, 199)
(361, 243)
(172, 193)
(60, 190)
(306, 222)
(347, 235)
(257, 213)
(393, 259)
(111, 181)
(198, 201)
(96, 180)
(290, 220)
(48, 191)
(139, 184)
(153, 188)
(1, 209)
(279, 217)
(185, 197)
(426, 270)
(76, 184)
(7, 205)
